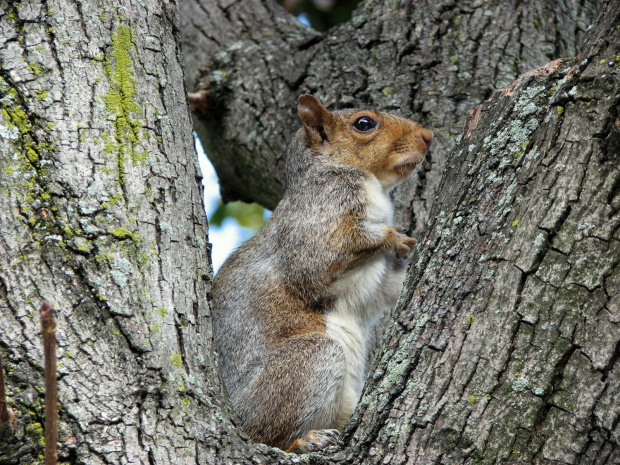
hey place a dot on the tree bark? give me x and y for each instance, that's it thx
(505, 341)
(429, 61)
(101, 213)
(505, 344)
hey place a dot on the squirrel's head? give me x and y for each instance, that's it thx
(388, 146)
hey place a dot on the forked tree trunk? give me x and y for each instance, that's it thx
(504, 345)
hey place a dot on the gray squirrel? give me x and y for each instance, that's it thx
(294, 306)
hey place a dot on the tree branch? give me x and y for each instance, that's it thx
(429, 63)
(4, 412)
(48, 329)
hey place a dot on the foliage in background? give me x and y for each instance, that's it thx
(248, 215)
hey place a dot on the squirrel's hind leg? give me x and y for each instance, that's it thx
(301, 388)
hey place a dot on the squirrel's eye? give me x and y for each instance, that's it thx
(364, 124)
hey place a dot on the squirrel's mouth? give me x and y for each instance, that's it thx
(406, 166)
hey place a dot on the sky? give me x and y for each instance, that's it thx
(227, 238)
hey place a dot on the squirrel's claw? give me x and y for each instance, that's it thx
(405, 246)
(314, 441)
(400, 242)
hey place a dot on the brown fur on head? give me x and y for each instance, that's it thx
(387, 146)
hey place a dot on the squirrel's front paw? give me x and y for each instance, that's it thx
(315, 440)
(402, 242)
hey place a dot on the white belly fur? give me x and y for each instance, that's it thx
(349, 323)
(360, 302)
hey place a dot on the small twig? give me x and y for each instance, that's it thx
(48, 328)
(4, 411)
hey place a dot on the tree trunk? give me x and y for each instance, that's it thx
(505, 343)
(101, 213)
(429, 61)
(503, 347)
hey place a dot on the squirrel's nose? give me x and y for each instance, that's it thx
(427, 136)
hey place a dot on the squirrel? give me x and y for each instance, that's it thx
(294, 306)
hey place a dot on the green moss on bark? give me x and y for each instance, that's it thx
(120, 103)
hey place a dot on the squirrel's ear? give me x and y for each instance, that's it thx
(315, 117)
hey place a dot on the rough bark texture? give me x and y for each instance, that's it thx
(101, 213)
(505, 343)
(426, 60)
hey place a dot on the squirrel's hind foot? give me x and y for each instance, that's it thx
(314, 441)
